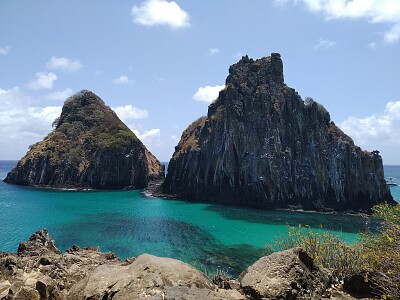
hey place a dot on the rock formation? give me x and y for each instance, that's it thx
(40, 271)
(90, 147)
(261, 145)
(289, 274)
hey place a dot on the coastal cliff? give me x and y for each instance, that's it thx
(90, 147)
(261, 145)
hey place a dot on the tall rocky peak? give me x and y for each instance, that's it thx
(261, 71)
(261, 145)
(82, 101)
(90, 147)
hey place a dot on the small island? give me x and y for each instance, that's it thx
(261, 145)
(89, 148)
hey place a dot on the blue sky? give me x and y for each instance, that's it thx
(159, 63)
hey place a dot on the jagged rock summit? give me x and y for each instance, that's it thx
(90, 147)
(261, 145)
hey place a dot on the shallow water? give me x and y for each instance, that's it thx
(128, 224)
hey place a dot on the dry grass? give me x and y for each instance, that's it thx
(378, 253)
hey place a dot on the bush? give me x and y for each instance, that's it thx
(325, 248)
(377, 253)
(382, 252)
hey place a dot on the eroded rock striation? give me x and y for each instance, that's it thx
(261, 145)
(90, 147)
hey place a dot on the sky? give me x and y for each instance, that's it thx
(160, 63)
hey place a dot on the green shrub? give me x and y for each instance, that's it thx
(378, 252)
(382, 251)
(325, 248)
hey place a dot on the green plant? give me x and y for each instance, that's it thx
(217, 275)
(382, 251)
(377, 253)
(325, 248)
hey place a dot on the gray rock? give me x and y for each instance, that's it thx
(289, 274)
(45, 261)
(39, 243)
(261, 145)
(47, 289)
(149, 277)
(4, 288)
(26, 293)
(90, 147)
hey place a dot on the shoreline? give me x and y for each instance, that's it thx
(153, 190)
(39, 270)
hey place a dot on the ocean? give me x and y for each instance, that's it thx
(129, 224)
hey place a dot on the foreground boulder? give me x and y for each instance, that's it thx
(149, 277)
(40, 271)
(39, 243)
(289, 274)
(261, 145)
(90, 147)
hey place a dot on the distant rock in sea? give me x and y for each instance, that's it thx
(261, 145)
(90, 147)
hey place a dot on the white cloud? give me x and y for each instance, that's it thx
(63, 64)
(323, 44)
(160, 12)
(42, 81)
(149, 137)
(380, 131)
(61, 95)
(213, 51)
(372, 45)
(374, 11)
(123, 80)
(22, 123)
(393, 35)
(5, 50)
(129, 112)
(208, 93)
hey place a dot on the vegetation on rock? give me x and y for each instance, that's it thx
(375, 257)
(90, 147)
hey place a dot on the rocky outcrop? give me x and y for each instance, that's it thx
(261, 145)
(289, 274)
(38, 244)
(149, 277)
(90, 147)
(41, 271)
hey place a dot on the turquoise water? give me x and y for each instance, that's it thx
(394, 171)
(128, 224)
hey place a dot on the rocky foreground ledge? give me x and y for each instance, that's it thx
(40, 271)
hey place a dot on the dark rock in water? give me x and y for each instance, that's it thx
(90, 147)
(289, 274)
(261, 145)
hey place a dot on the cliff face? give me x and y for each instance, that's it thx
(261, 145)
(90, 147)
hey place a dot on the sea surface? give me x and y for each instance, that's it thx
(129, 224)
